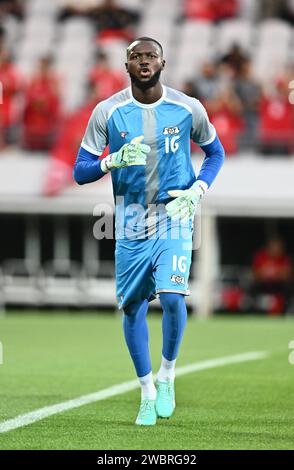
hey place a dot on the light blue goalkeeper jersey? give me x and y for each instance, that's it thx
(167, 126)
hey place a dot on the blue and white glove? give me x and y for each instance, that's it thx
(184, 206)
(133, 153)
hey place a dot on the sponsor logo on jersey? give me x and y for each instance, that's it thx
(171, 130)
(177, 279)
(123, 134)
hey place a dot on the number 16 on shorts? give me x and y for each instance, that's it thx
(180, 263)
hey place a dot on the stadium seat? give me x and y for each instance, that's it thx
(248, 10)
(60, 282)
(74, 96)
(159, 9)
(130, 4)
(20, 282)
(39, 7)
(73, 59)
(162, 35)
(26, 66)
(77, 52)
(77, 27)
(152, 24)
(13, 29)
(116, 52)
(273, 50)
(234, 32)
(193, 48)
(274, 32)
(32, 49)
(270, 62)
(38, 36)
(194, 33)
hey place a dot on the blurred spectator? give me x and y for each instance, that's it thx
(272, 275)
(41, 108)
(113, 21)
(64, 152)
(106, 80)
(71, 8)
(206, 86)
(226, 115)
(249, 93)
(276, 9)
(11, 86)
(2, 36)
(11, 7)
(234, 59)
(232, 298)
(215, 89)
(189, 89)
(270, 8)
(288, 13)
(277, 120)
(210, 10)
(110, 20)
(282, 9)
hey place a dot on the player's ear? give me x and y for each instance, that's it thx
(126, 65)
(163, 63)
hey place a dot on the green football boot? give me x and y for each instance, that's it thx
(147, 413)
(165, 399)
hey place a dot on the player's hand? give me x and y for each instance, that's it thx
(184, 206)
(131, 154)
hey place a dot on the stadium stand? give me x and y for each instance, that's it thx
(238, 49)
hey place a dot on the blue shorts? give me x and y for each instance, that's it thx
(146, 267)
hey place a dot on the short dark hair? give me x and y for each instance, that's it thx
(144, 38)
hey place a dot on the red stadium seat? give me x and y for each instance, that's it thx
(210, 10)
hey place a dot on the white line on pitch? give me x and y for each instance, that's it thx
(42, 413)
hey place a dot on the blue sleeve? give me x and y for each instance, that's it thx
(87, 167)
(213, 161)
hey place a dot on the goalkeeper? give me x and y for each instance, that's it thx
(148, 128)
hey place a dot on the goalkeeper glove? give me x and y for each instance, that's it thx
(185, 204)
(134, 153)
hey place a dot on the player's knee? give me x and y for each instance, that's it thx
(133, 308)
(171, 301)
(130, 309)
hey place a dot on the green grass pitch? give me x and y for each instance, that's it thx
(50, 358)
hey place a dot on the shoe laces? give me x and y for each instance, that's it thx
(145, 407)
(166, 390)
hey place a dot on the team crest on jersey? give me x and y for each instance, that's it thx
(171, 130)
(177, 279)
(123, 134)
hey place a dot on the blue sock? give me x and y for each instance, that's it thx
(136, 336)
(173, 323)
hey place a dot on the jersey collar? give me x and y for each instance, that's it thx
(151, 105)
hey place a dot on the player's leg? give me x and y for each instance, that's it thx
(172, 260)
(173, 326)
(135, 284)
(137, 339)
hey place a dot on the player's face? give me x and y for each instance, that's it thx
(145, 64)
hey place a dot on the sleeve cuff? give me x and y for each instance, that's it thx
(200, 187)
(104, 166)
